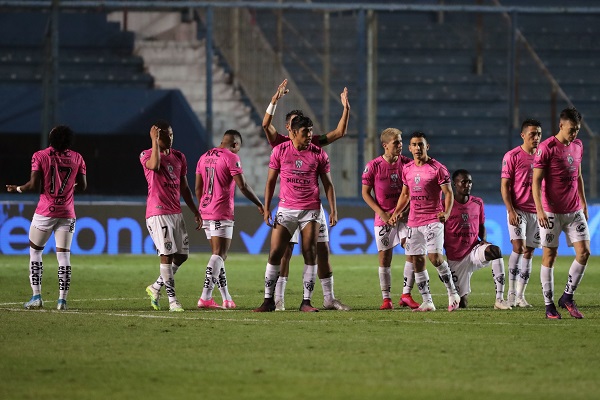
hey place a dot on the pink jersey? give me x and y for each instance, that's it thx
(217, 168)
(59, 174)
(461, 231)
(386, 181)
(299, 173)
(316, 140)
(561, 171)
(164, 185)
(425, 192)
(517, 165)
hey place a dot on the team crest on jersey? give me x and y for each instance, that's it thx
(298, 163)
(570, 160)
(465, 217)
(417, 179)
(394, 177)
(549, 237)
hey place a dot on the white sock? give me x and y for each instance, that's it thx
(524, 274)
(547, 279)
(422, 279)
(327, 285)
(575, 275)
(166, 271)
(280, 288)
(446, 277)
(222, 284)
(514, 263)
(308, 280)
(36, 270)
(385, 281)
(498, 275)
(159, 283)
(64, 273)
(211, 275)
(271, 275)
(409, 277)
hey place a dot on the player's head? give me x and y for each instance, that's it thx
(290, 116)
(165, 134)
(232, 140)
(61, 137)
(570, 123)
(531, 132)
(462, 181)
(301, 130)
(419, 145)
(391, 140)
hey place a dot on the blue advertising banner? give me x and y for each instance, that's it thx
(119, 228)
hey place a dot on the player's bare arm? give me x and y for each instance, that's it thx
(367, 195)
(269, 190)
(581, 193)
(536, 190)
(342, 127)
(153, 163)
(34, 183)
(186, 193)
(242, 184)
(403, 201)
(448, 203)
(269, 129)
(506, 190)
(330, 194)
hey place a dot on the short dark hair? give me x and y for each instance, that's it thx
(162, 124)
(571, 114)
(289, 115)
(61, 137)
(301, 122)
(419, 134)
(459, 172)
(233, 132)
(530, 122)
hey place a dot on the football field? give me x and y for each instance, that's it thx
(111, 345)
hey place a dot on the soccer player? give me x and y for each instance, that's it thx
(425, 180)
(517, 173)
(57, 171)
(467, 249)
(217, 173)
(165, 169)
(300, 164)
(381, 187)
(560, 203)
(325, 272)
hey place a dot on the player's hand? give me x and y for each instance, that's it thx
(442, 217)
(333, 219)
(393, 219)
(282, 90)
(261, 210)
(11, 188)
(543, 220)
(585, 213)
(344, 98)
(198, 220)
(154, 132)
(385, 217)
(513, 218)
(267, 217)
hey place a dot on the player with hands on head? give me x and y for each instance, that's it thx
(325, 271)
(55, 173)
(165, 170)
(381, 187)
(218, 172)
(425, 180)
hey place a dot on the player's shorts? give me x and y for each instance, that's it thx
(296, 219)
(168, 234)
(463, 269)
(41, 229)
(572, 224)
(424, 239)
(323, 231)
(221, 228)
(388, 237)
(527, 230)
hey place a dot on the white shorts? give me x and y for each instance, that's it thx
(388, 236)
(323, 231)
(296, 219)
(168, 234)
(425, 239)
(221, 228)
(527, 230)
(572, 224)
(463, 269)
(41, 229)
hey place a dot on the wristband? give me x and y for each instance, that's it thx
(19, 189)
(271, 109)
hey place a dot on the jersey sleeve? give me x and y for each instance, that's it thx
(183, 164)
(324, 166)
(82, 167)
(368, 175)
(274, 161)
(36, 162)
(235, 165)
(145, 156)
(279, 140)
(443, 175)
(508, 167)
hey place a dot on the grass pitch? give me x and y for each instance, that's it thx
(111, 344)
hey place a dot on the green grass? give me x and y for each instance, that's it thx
(110, 344)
